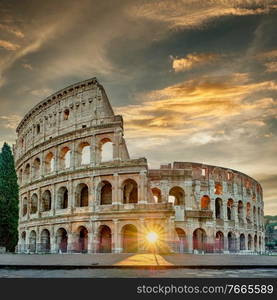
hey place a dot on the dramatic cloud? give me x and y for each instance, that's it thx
(12, 30)
(186, 63)
(191, 13)
(8, 45)
(199, 104)
(271, 66)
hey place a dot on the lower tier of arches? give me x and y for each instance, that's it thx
(132, 237)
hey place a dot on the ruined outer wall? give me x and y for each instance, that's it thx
(198, 180)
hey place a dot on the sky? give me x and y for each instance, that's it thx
(194, 80)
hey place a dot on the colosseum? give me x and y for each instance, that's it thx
(80, 191)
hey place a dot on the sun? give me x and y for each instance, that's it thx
(152, 237)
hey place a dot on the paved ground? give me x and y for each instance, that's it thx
(140, 273)
(137, 260)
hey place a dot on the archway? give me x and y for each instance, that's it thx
(82, 195)
(106, 150)
(240, 211)
(231, 242)
(83, 239)
(62, 199)
(33, 241)
(218, 208)
(199, 239)
(65, 157)
(62, 240)
(34, 204)
(181, 242)
(105, 239)
(129, 238)
(242, 242)
(157, 195)
(178, 195)
(23, 242)
(219, 241)
(45, 241)
(230, 213)
(250, 241)
(130, 191)
(255, 242)
(46, 201)
(106, 193)
(205, 202)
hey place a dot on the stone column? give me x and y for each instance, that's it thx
(190, 240)
(141, 231)
(90, 240)
(170, 232)
(53, 240)
(73, 156)
(93, 150)
(142, 198)
(53, 200)
(116, 247)
(115, 193)
(116, 144)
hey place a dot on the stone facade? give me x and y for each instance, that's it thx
(81, 192)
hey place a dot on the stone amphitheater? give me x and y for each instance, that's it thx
(81, 192)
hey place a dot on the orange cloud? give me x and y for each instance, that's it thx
(198, 105)
(8, 45)
(192, 59)
(191, 13)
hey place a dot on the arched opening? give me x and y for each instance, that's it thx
(36, 168)
(248, 212)
(105, 239)
(66, 114)
(34, 204)
(230, 210)
(250, 241)
(129, 238)
(242, 242)
(240, 211)
(219, 241)
(218, 208)
(177, 195)
(49, 163)
(33, 241)
(27, 172)
(61, 240)
(157, 195)
(83, 239)
(205, 202)
(231, 242)
(254, 215)
(65, 157)
(84, 153)
(255, 243)
(130, 191)
(260, 244)
(106, 150)
(62, 198)
(106, 193)
(23, 242)
(259, 216)
(46, 201)
(181, 242)
(199, 239)
(25, 206)
(82, 195)
(45, 240)
(38, 129)
(218, 189)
